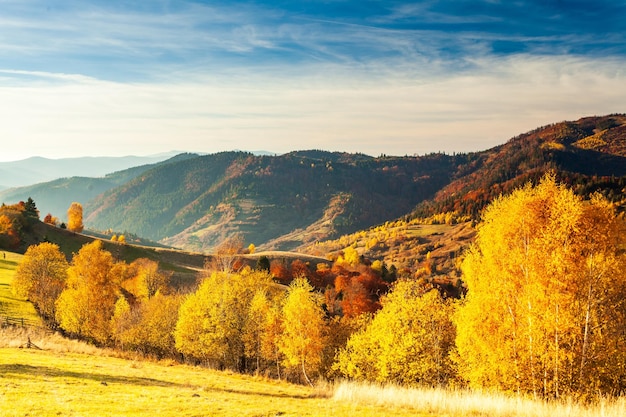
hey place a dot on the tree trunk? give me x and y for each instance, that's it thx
(306, 377)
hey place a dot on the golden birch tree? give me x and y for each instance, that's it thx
(212, 320)
(75, 217)
(407, 342)
(40, 277)
(86, 305)
(545, 307)
(302, 341)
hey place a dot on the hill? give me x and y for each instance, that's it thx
(275, 202)
(301, 200)
(37, 169)
(291, 201)
(56, 196)
(589, 155)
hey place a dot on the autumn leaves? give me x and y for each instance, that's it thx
(545, 311)
(546, 306)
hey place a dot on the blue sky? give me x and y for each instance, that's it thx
(113, 77)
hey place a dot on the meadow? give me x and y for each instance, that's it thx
(73, 379)
(52, 383)
(62, 377)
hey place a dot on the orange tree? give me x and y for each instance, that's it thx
(87, 303)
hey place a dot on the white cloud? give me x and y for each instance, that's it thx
(65, 115)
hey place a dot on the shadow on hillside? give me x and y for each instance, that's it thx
(22, 370)
(256, 393)
(9, 265)
(25, 371)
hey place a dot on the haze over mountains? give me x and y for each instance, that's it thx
(37, 169)
(287, 201)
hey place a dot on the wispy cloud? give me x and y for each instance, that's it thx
(393, 77)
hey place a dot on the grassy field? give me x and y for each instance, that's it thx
(52, 383)
(61, 377)
(10, 305)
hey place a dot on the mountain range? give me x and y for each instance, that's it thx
(37, 169)
(294, 200)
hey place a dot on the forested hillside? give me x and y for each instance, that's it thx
(589, 155)
(276, 202)
(294, 200)
(55, 196)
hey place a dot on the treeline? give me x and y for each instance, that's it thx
(15, 221)
(544, 314)
(250, 320)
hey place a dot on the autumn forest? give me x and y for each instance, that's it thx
(500, 271)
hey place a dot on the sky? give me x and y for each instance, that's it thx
(114, 78)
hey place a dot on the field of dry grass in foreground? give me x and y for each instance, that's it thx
(75, 379)
(463, 403)
(48, 383)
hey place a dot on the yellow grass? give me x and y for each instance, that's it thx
(60, 382)
(463, 403)
(10, 305)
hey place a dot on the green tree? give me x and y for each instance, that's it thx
(263, 264)
(545, 311)
(40, 278)
(30, 209)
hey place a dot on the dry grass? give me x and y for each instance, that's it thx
(44, 384)
(462, 403)
(15, 337)
(10, 305)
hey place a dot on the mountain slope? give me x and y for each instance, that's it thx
(280, 201)
(37, 169)
(56, 196)
(289, 201)
(588, 154)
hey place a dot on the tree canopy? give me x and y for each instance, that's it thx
(546, 306)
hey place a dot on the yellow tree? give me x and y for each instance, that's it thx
(86, 305)
(75, 217)
(254, 328)
(147, 327)
(302, 341)
(147, 279)
(408, 341)
(212, 320)
(545, 307)
(40, 277)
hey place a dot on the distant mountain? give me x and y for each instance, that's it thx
(56, 196)
(37, 169)
(288, 201)
(283, 202)
(275, 202)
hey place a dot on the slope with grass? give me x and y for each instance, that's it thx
(14, 310)
(59, 380)
(45, 383)
(56, 195)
